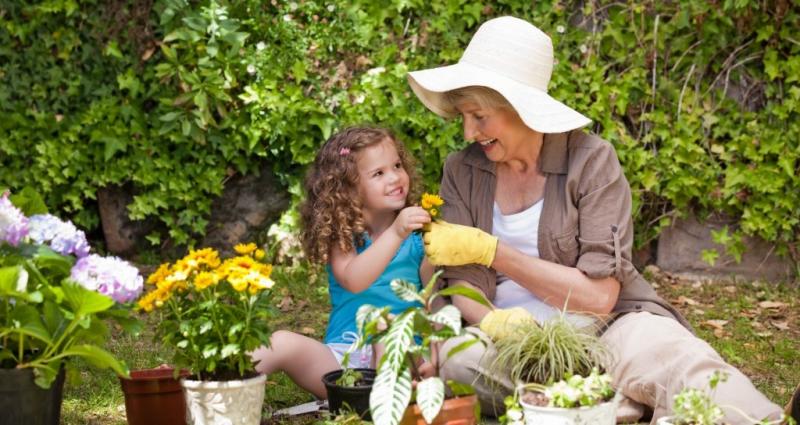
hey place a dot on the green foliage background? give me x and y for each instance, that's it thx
(701, 99)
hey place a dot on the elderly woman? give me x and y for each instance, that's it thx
(538, 216)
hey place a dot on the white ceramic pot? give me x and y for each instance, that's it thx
(602, 414)
(224, 402)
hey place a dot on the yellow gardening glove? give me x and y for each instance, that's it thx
(448, 244)
(501, 323)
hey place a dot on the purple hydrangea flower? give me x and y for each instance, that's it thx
(62, 236)
(109, 276)
(13, 223)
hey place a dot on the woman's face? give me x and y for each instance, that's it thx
(499, 131)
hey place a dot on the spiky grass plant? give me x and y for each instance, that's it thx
(549, 352)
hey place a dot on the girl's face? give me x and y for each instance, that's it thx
(383, 184)
(500, 132)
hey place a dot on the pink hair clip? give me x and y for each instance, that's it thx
(344, 151)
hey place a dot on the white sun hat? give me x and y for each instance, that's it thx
(514, 58)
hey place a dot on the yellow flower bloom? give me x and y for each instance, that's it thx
(259, 254)
(239, 283)
(431, 201)
(261, 282)
(146, 302)
(433, 212)
(245, 249)
(162, 272)
(205, 279)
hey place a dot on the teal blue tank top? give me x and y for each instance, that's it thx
(345, 304)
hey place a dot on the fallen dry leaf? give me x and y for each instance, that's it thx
(730, 289)
(765, 334)
(307, 331)
(716, 324)
(784, 326)
(771, 304)
(286, 304)
(686, 301)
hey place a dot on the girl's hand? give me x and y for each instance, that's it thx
(410, 219)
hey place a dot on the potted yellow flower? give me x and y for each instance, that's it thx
(214, 312)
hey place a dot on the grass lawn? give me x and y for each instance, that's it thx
(754, 325)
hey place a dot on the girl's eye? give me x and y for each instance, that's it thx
(399, 165)
(377, 174)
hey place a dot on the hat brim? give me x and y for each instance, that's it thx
(537, 109)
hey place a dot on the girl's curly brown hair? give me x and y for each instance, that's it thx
(331, 214)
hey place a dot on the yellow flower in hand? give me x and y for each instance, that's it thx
(430, 201)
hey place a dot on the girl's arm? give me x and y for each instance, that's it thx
(356, 272)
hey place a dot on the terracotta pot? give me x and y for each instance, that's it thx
(24, 402)
(455, 411)
(154, 390)
(356, 398)
(224, 402)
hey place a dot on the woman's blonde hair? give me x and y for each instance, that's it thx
(484, 96)
(331, 213)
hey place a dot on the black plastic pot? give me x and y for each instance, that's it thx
(24, 402)
(349, 398)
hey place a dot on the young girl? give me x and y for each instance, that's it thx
(358, 220)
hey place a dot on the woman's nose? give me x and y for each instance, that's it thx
(470, 129)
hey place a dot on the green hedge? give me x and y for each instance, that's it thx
(701, 99)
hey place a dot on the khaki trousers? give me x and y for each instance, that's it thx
(654, 359)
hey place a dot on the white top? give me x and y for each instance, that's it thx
(521, 231)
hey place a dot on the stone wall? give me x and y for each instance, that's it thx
(680, 250)
(247, 207)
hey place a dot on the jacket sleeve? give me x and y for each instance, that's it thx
(455, 191)
(604, 210)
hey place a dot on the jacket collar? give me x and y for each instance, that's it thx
(552, 158)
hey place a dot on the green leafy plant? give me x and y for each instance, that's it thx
(55, 297)
(700, 99)
(213, 312)
(408, 338)
(576, 390)
(548, 352)
(350, 377)
(693, 406)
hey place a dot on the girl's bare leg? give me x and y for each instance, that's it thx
(304, 359)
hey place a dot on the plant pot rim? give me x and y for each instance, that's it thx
(615, 399)
(236, 383)
(156, 373)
